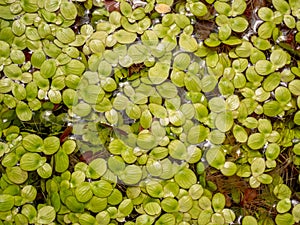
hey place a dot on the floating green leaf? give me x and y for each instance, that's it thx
(74, 205)
(249, 220)
(238, 24)
(185, 178)
(65, 35)
(281, 6)
(132, 175)
(169, 205)
(29, 193)
(167, 90)
(46, 215)
(271, 82)
(297, 118)
(265, 179)
(208, 83)
(240, 133)
(205, 204)
(51, 145)
(282, 191)
(261, 43)
(256, 141)
(198, 8)
(284, 205)
(154, 189)
(52, 5)
(197, 134)
(48, 68)
(272, 151)
(166, 219)
(146, 141)
(83, 192)
(177, 150)
(279, 58)
(218, 202)
(289, 21)
(265, 13)
(16, 175)
(86, 218)
(5, 49)
(222, 8)
(217, 104)
(31, 161)
(23, 111)
(264, 67)
(152, 208)
(68, 10)
(282, 95)
(295, 212)
(125, 37)
(82, 109)
(159, 72)
(5, 85)
(96, 168)
(6, 202)
(294, 87)
(181, 61)
(176, 117)
(33, 143)
(284, 219)
(45, 171)
(229, 169)
(12, 71)
(216, 137)
(224, 121)
(97, 205)
(188, 43)
(215, 157)
(101, 188)
(264, 126)
(258, 166)
(238, 7)
(224, 32)
(272, 108)
(61, 161)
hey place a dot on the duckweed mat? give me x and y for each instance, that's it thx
(156, 112)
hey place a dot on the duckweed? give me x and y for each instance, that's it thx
(133, 112)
